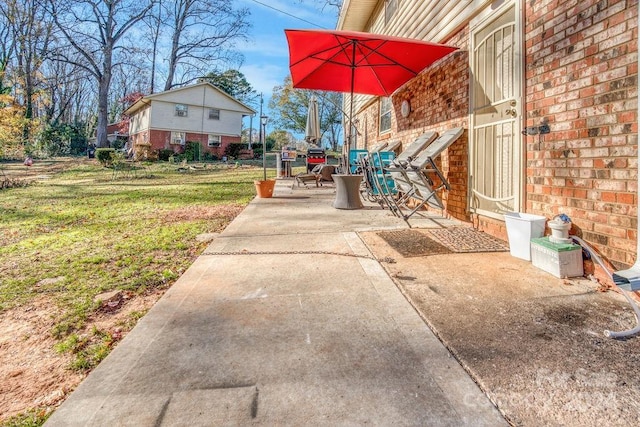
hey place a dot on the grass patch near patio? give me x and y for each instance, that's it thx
(77, 233)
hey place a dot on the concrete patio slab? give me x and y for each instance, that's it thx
(286, 319)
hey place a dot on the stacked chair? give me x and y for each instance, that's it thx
(416, 175)
(376, 183)
(355, 160)
(381, 183)
(413, 176)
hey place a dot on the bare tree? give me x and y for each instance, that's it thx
(7, 49)
(334, 5)
(290, 107)
(94, 31)
(202, 32)
(31, 33)
(155, 21)
(66, 86)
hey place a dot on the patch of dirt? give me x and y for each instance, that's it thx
(193, 213)
(32, 373)
(534, 343)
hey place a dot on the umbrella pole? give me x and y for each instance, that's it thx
(353, 76)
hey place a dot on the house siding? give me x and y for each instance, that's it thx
(154, 118)
(140, 121)
(580, 60)
(164, 117)
(581, 79)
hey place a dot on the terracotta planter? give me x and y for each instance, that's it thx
(265, 188)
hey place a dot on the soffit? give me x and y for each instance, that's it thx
(355, 14)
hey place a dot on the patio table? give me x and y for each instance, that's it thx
(347, 191)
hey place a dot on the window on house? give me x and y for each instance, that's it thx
(214, 114)
(177, 138)
(385, 114)
(215, 141)
(182, 110)
(390, 7)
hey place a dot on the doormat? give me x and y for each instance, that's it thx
(467, 239)
(413, 243)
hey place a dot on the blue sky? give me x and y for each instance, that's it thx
(266, 54)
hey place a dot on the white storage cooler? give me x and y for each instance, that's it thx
(560, 259)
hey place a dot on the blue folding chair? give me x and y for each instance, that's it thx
(355, 156)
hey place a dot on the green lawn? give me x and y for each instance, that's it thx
(79, 232)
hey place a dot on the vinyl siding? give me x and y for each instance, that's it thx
(140, 121)
(197, 120)
(429, 20)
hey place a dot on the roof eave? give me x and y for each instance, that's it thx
(355, 14)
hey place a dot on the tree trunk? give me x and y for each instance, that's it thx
(103, 100)
(173, 56)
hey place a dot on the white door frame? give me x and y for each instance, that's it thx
(483, 19)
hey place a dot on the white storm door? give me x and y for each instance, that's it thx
(496, 153)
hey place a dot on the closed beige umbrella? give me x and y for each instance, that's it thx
(312, 130)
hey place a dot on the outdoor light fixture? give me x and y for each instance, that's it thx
(263, 122)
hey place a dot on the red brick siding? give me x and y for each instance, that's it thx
(122, 127)
(581, 79)
(204, 141)
(439, 99)
(161, 140)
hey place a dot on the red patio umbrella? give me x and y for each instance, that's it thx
(355, 62)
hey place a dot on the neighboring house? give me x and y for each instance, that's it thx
(524, 68)
(115, 131)
(199, 113)
(119, 130)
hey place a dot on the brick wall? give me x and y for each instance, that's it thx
(160, 140)
(581, 79)
(439, 99)
(204, 142)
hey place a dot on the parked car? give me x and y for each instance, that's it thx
(315, 156)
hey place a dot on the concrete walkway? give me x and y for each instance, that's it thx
(285, 338)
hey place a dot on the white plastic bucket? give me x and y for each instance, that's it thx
(521, 228)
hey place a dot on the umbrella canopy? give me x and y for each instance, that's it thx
(312, 130)
(355, 62)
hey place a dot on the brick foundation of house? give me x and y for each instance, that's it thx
(156, 140)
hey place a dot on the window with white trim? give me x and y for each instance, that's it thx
(385, 114)
(177, 138)
(182, 110)
(214, 114)
(214, 140)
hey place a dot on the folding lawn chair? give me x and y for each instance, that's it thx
(355, 157)
(379, 147)
(416, 177)
(376, 184)
(393, 181)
